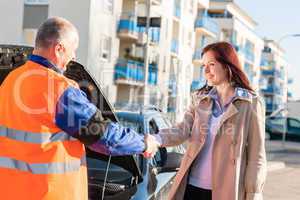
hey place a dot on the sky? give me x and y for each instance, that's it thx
(275, 19)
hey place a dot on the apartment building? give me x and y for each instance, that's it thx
(172, 49)
(206, 31)
(274, 78)
(238, 28)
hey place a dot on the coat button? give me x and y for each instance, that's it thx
(234, 142)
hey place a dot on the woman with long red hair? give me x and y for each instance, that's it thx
(224, 127)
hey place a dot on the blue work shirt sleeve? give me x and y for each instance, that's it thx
(74, 110)
(118, 140)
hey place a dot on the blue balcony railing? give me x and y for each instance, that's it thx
(174, 46)
(269, 89)
(154, 33)
(129, 70)
(134, 71)
(207, 23)
(270, 72)
(273, 89)
(128, 23)
(153, 75)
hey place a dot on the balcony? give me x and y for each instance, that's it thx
(273, 89)
(152, 77)
(207, 26)
(270, 72)
(268, 90)
(131, 72)
(174, 46)
(154, 34)
(127, 28)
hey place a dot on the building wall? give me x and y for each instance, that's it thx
(81, 21)
(11, 21)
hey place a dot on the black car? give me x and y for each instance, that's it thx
(118, 177)
(276, 126)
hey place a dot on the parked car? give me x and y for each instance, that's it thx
(275, 127)
(119, 177)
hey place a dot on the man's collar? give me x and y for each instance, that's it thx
(44, 62)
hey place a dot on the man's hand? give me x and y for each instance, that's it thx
(151, 146)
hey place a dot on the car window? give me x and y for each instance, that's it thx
(294, 123)
(278, 121)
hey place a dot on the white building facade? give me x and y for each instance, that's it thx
(238, 28)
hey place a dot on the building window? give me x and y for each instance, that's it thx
(34, 15)
(36, 2)
(105, 48)
(109, 5)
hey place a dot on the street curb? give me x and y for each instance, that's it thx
(275, 165)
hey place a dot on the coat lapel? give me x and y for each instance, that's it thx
(230, 112)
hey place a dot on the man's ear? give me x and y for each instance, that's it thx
(59, 50)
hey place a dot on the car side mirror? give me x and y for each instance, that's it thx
(172, 163)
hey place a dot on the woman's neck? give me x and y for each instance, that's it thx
(225, 92)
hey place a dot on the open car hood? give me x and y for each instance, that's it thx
(91, 87)
(87, 83)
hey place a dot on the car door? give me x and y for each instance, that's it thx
(277, 125)
(164, 179)
(293, 129)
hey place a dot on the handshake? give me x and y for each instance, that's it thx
(152, 146)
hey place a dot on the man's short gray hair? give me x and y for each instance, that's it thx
(54, 30)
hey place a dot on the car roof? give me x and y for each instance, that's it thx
(136, 116)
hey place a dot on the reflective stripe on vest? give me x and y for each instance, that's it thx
(36, 138)
(43, 168)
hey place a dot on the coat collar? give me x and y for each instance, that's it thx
(240, 93)
(205, 101)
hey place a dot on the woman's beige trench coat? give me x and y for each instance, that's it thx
(239, 158)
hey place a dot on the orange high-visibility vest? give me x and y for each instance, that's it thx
(37, 159)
